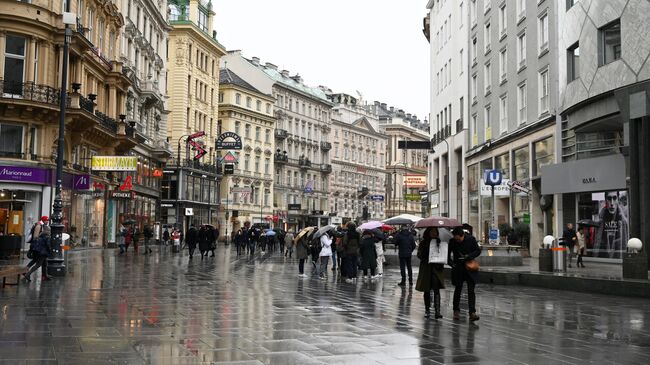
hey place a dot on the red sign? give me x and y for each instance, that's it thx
(198, 147)
(98, 186)
(128, 184)
(157, 173)
(196, 135)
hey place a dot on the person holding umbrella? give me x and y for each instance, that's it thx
(463, 249)
(302, 250)
(431, 273)
(350, 244)
(191, 239)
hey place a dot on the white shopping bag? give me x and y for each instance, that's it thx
(438, 252)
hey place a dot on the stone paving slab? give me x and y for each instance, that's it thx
(162, 309)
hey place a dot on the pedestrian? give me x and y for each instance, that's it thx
(379, 251)
(148, 235)
(350, 245)
(569, 238)
(580, 246)
(368, 255)
(288, 244)
(254, 234)
(215, 238)
(463, 248)
(128, 239)
(325, 253)
(41, 250)
(281, 240)
(191, 239)
(302, 252)
(405, 243)
(431, 274)
(136, 238)
(34, 234)
(240, 244)
(121, 238)
(205, 240)
(314, 252)
(166, 237)
(176, 240)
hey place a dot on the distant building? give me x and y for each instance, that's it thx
(358, 182)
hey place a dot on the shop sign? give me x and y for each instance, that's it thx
(25, 174)
(189, 211)
(242, 190)
(337, 220)
(376, 198)
(228, 141)
(413, 197)
(415, 181)
(98, 194)
(114, 163)
(128, 184)
(157, 173)
(122, 194)
(502, 189)
(295, 207)
(581, 176)
(166, 205)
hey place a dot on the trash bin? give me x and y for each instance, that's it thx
(559, 257)
(546, 254)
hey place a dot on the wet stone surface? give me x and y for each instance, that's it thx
(160, 309)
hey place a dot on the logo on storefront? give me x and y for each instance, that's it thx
(589, 180)
(128, 184)
(114, 163)
(228, 141)
(122, 194)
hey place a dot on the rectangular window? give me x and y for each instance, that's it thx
(460, 61)
(521, 50)
(474, 89)
(521, 103)
(573, 60)
(14, 72)
(462, 14)
(610, 42)
(503, 65)
(472, 13)
(238, 127)
(521, 10)
(258, 133)
(544, 153)
(569, 4)
(487, 37)
(503, 114)
(488, 123)
(543, 32)
(100, 34)
(473, 51)
(203, 21)
(543, 91)
(247, 131)
(521, 164)
(11, 141)
(473, 128)
(503, 20)
(258, 105)
(487, 79)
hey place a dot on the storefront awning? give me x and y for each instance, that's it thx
(594, 174)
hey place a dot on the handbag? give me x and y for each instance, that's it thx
(472, 265)
(438, 252)
(30, 254)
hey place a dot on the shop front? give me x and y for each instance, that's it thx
(25, 196)
(83, 211)
(596, 199)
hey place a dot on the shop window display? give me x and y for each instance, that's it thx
(608, 231)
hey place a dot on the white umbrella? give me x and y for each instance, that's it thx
(370, 225)
(402, 219)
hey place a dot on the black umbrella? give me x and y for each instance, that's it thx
(588, 223)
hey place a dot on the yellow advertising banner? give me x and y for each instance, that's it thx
(415, 181)
(114, 163)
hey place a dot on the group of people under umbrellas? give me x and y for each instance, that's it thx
(444, 241)
(248, 238)
(205, 237)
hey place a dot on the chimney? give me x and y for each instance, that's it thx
(297, 78)
(377, 103)
(383, 105)
(271, 66)
(408, 115)
(285, 73)
(256, 61)
(392, 109)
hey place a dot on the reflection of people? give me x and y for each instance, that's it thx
(613, 232)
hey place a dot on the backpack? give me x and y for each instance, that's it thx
(315, 247)
(30, 236)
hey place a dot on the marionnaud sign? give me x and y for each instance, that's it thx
(25, 174)
(228, 141)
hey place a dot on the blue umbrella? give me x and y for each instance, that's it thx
(270, 233)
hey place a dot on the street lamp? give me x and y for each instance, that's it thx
(56, 264)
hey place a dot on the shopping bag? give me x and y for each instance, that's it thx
(438, 252)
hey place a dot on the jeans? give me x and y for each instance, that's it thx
(471, 296)
(38, 262)
(301, 266)
(405, 263)
(324, 260)
(334, 259)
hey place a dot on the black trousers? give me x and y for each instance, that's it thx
(301, 266)
(471, 295)
(404, 264)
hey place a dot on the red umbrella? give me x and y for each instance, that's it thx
(386, 228)
(444, 222)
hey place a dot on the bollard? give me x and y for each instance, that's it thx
(559, 257)
(635, 264)
(546, 255)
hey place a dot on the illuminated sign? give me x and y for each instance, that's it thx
(415, 181)
(114, 163)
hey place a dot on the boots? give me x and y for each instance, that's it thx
(473, 317)
(427, 305)
(436, 304)
(456, 315)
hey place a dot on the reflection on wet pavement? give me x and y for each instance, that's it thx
(163, 310)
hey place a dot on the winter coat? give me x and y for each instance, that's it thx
(430, 276)
(405, 243)
(205, 239)
(302, 248)
(459, 253)
(192, 237)
(368, 253)
(326, 244)
(351, 243)
(41, 246)
(148, 232)
(288, 239)
(569, 237)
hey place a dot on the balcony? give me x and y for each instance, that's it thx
(304, 163)
(29, 92)
(281, 158)
(107, 122)
(281, 133)
(325, 146)
(326, 168)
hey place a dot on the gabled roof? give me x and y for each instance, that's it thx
(365, 124)
(227, 77)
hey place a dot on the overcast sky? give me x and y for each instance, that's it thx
(373, 46)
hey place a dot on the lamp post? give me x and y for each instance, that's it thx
(56, 264)
(180, 180)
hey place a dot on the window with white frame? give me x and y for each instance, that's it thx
(473, 51)
(503, 114)
(521, 50)
(503, 65)
(203, 21)
(487, 37)
(474, 88)
(14, 71)
(487, 78)
(573, 62)
(503, 19)
(522, 103)
(543, 91)
(543, 32)
(473, 126)
(460, 61)
(488, 120)
(521, 9)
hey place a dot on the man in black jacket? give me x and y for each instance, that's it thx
(569, 239)
(405, 243)
(192, 238)
(148, 235)
(463, 248)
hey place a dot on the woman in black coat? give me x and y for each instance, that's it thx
(368, 253)
(463, 248)
(430, 276)
(205, 241)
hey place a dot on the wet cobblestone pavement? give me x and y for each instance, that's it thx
(160, 309)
